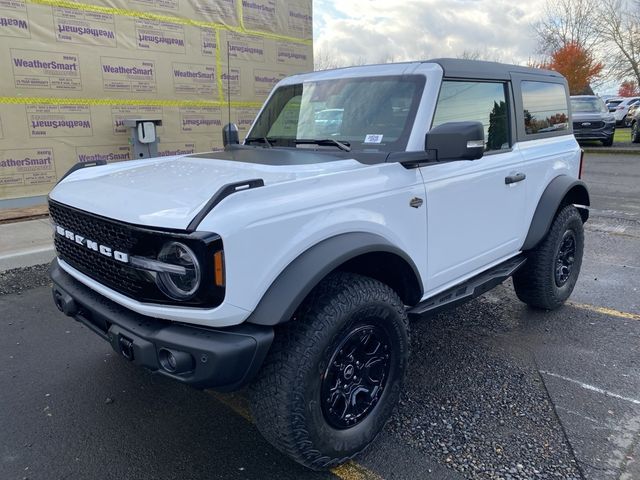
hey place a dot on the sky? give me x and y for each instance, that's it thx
(372, 31)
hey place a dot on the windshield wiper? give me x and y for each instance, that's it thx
(346, 146)
(264, 140)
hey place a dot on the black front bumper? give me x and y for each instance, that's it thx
(602, 133)
(223, 359)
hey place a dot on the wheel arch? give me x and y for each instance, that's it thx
(561, 191)
(359, 252)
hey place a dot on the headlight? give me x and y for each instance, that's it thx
(183, 285)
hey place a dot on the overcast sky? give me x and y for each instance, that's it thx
(369, 31)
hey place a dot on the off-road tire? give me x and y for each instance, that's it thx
(285, 398)
(608, 142)
(635, 132)
(535, 283)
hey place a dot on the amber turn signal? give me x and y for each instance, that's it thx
(218, 268)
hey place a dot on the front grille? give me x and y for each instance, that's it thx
(105, 270)
(116, 235)
(593, 126)
(133, 240)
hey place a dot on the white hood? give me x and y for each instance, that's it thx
(168, 192)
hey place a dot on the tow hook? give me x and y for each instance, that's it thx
(65, 303)
(126, 347)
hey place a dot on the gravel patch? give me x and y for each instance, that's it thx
(474, 400)
(19, 280)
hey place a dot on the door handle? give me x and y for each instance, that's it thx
(515, 178)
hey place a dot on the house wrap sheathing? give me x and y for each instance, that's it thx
(72, 72)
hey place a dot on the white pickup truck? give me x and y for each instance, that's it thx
(291, 263)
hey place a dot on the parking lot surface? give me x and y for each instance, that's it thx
(494, 390)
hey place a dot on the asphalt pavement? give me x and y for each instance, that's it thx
(494, 389)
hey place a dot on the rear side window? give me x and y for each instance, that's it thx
(484, 102)
(545, 107)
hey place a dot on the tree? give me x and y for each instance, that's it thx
(323, 59)
(629, 88)
(326, 59)
(567, 22)
(487, 55)
(620, 29)
(498, 133)
(577, 65)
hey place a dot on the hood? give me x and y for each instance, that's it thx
(168, 192)
(592, 117)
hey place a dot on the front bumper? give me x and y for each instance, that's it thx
(222, 359)
(603, 133)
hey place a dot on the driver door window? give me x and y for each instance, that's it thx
(484, 102)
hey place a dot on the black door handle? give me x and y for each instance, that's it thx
(518, 177)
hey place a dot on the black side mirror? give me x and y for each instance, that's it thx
(230, 134)
(456, 141)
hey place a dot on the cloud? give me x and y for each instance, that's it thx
(371, 31)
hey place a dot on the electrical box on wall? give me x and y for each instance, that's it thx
(144, 137)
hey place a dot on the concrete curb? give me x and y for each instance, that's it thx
(615, 151)
(25, 243)
(26, 258)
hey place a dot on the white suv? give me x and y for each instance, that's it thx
(292, 263)
(622, 108)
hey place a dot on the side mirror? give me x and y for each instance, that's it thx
(456, 141)
(230, 134)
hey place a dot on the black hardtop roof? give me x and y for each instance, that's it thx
(461, 68)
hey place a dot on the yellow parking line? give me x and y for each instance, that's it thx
(354, 471)
(606, 311)
(346, 471)
(233, 403)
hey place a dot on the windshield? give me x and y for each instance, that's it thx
(588, 105)
(370, 113)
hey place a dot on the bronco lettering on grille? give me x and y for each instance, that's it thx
(91, 245)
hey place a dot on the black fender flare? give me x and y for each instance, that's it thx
(562, 190)
(296, 281)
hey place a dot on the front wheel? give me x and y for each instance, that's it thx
(547, 278)
(608, 142)
(334, 373)
(635, 132)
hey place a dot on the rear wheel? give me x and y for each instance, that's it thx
(552, 268)
(334, 373)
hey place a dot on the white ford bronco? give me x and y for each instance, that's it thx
(290, 264)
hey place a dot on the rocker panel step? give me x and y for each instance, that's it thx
(472, 288)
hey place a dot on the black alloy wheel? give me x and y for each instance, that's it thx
(356, 376)
(565, 258)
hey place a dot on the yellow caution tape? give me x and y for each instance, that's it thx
(167, 18)
(117, 101)
(219, 68)
(240, 13)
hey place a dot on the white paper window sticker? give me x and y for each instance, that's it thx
(373, 138)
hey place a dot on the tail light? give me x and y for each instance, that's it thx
(581, 163)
